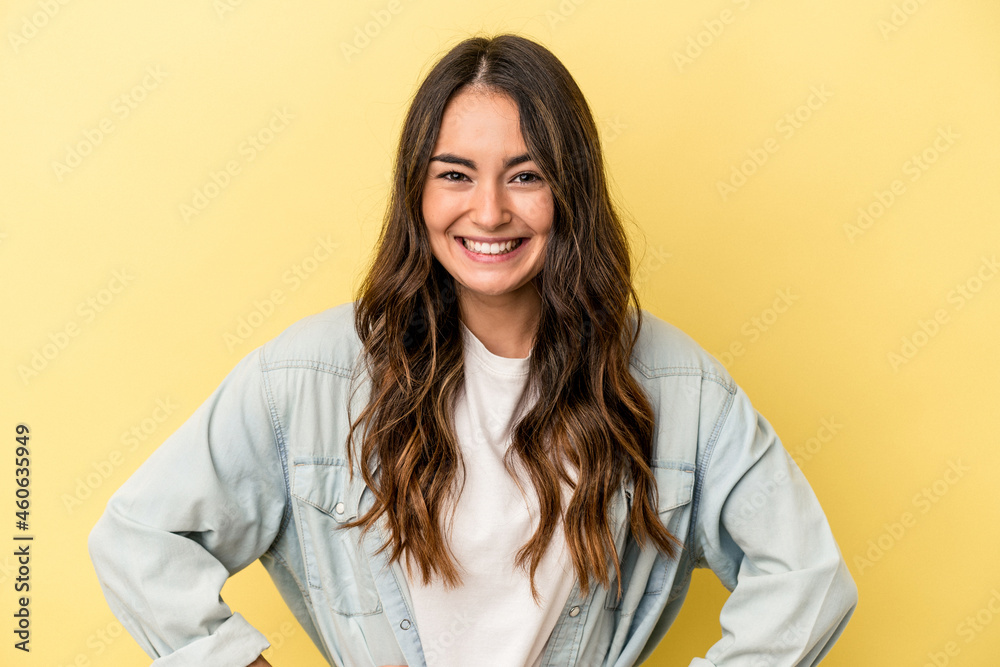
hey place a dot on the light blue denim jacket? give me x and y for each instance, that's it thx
(259, 471)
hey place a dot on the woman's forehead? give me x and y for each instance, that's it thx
(480, 122)
(479, 100)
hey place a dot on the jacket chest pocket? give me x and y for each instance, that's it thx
(675, 486)
(335, 561)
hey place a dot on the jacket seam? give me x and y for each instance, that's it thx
(310, 364)
(667, 371)
(704, 461)
(280, 445)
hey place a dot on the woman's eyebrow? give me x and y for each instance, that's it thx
(451, 158)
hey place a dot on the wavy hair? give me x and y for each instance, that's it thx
(590, 413)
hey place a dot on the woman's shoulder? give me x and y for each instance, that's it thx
(664, 349)
(687, 388)
(326, 339)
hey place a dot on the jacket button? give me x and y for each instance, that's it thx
(405, 624)
(575, 611)
(339, 509)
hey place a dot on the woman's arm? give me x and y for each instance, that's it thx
(761, 529)
(207, 503)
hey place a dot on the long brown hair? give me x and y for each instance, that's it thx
(590, 412)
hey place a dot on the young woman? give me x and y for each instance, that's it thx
(493, 455)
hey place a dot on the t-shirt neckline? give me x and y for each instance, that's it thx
(502, 365)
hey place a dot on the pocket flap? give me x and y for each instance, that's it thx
(326, 486)
(674, 486)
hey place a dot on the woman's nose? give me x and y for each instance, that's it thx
(490, 206)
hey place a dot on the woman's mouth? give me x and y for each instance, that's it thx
(490, 248)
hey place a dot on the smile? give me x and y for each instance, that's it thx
(491, 248)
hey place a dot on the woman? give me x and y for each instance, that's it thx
(535, 464)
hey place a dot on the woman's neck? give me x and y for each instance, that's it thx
(506, 324)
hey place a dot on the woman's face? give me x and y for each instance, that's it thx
(481, 186)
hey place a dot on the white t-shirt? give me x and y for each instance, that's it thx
(492, 618)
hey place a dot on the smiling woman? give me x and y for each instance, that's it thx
(488, 213)
(493, 455)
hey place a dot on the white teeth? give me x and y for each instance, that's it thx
(491, 248)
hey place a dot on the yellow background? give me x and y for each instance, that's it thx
(685, 93)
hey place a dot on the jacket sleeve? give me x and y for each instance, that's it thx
(207, 503)
(761, 529)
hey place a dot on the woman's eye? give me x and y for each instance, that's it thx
(523, 178)
(531, 177)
